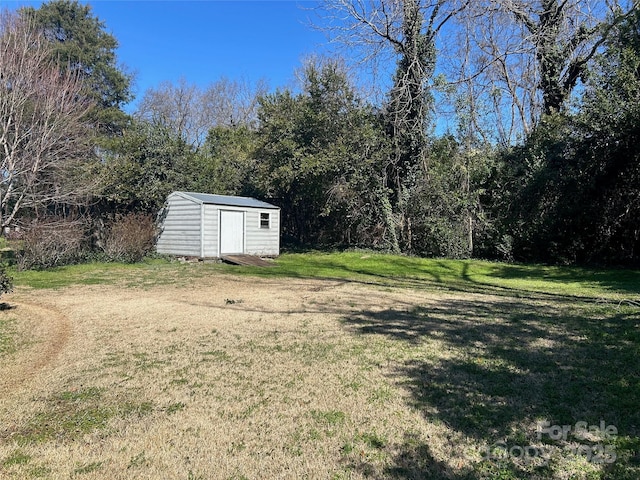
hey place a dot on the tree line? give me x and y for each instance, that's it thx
(539, 159)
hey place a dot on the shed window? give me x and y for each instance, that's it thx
(264, 220)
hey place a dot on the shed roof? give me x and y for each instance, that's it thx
(227, 200)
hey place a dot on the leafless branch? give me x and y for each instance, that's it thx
(191, 112)
(42, 123)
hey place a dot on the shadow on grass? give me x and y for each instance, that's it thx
(623, 281)
(526, 281)
(414, 461)
(491, 370)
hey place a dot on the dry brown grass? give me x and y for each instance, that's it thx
(239, 378)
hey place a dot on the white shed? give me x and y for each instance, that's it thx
(206, 226)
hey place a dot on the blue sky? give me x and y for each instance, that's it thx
(205, 40)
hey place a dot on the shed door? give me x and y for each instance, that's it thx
(231, 232)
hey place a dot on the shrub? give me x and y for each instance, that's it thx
(129, 238)
(6, 282)
(52, 242)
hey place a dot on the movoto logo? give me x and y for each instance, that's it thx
(593, 447)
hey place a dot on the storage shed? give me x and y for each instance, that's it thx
(209, 226)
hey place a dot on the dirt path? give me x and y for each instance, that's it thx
(45, 331)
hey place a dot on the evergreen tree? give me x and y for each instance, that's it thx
(82, 44)
(319, 157)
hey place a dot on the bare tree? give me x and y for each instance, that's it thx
(174, 106)
(565, 35)
(404, 31)
(376, 33)
(44, 140)
(231, 103)
(525, 58)
(191, 112)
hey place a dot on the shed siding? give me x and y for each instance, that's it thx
(191, 226)
(181, 228)
(210, 237)
(262, 241)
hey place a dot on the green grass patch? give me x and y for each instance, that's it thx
(7, 336)
(370, 268)
(211, 355)
(175, 407)
(138, 461)
(329, 418)
(372, 440)
(459, 275)
(143, 362)
(40, 471)
(18, 457)
(98, 273)
(88, 468)
(149, 273)
(70, 414)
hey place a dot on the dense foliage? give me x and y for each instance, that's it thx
(319, 155)
(6, 281)
(571, 193)
(348, 171)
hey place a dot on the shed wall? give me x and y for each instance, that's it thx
(191, 228)
(210, 235)
(262, 241)
(181, 228)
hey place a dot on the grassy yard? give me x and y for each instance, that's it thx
(369, 268)
(352, 365)
(460, 275)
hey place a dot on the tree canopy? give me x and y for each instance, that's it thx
(540, 162)
(81, 44)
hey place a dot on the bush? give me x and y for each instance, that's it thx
(53, 242)
(129, 238)
(6, 282)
